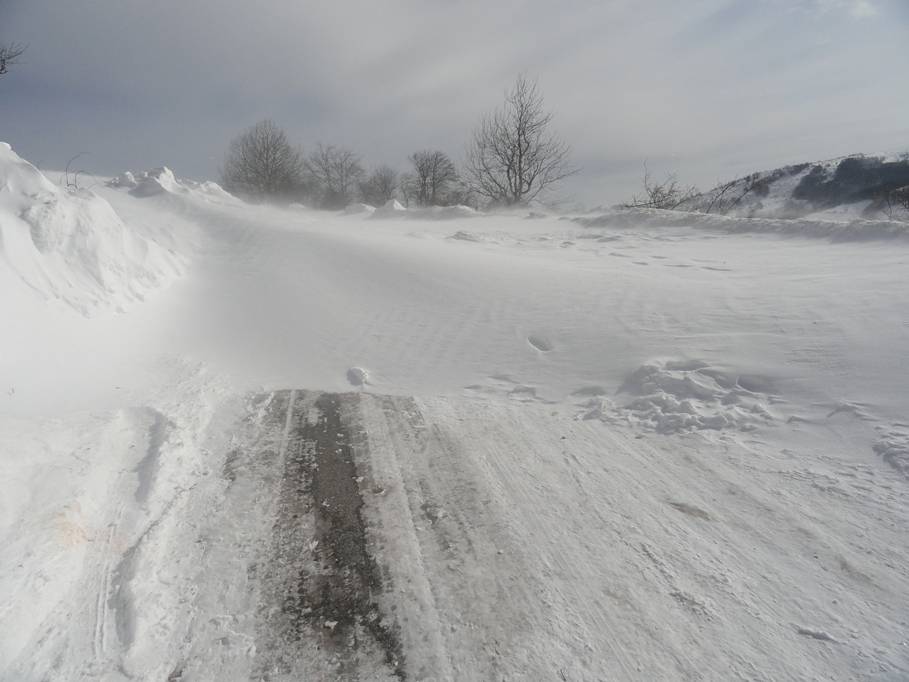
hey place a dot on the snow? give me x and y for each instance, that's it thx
(631, 445)
(390, 208)
(69, 245)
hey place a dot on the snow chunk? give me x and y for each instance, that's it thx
(358, 376)
(680, 396)
(894, 449)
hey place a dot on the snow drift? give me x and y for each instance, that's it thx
(163, 181)
(853, 230)
(70, 245)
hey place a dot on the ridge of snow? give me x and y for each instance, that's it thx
(70, 245)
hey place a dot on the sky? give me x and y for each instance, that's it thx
(708, 89)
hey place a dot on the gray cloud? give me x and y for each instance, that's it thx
(711, 88)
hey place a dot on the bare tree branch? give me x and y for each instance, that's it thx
(513, 156)
(9, 55)
(434, 173)
(380, 186)
(336, 171)
(668, 194)
(261, 164)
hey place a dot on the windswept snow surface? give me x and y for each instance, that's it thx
(472, 448)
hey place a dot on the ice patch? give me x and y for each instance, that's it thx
(683, 396)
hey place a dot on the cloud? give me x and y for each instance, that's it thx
(709, 88)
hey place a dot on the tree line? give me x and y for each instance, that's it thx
(513, 156)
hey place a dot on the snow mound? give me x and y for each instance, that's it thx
(126, 179)
(894, 449)
(70, 245)
(390, 208)
(682, 396)
(158, 181)
(356, 208)
(465, 236)
(357, 376)
(154, 182)
(442, 212)
(837, 231)
(393, 208)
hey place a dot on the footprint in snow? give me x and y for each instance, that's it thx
(541, 343)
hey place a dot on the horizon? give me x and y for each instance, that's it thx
(722, 89)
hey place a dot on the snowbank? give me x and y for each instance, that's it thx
(394, 209)
(390, 209)
(162, 180)
(70, 245)
(854, 230)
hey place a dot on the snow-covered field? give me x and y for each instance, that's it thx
(631, 446)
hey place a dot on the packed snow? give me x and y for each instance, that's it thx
(631, 445)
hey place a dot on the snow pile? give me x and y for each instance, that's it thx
(894, 449)
(125, 179)
(442, 212)
(465, 236)
(70, 245)
(837, 231)
(357, 208)
(162, 180)
(154, 182)
(390, 209)
(394, 209)
(679, 396)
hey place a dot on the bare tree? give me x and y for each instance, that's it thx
(9, 55)
(261, 164)
(434, 173)
(900, 197)
(336, 171)
(668, 194)
(380, 186)
(513, 156)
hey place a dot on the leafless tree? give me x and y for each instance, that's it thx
(668, 194)
(261, 164)
(380, 186)
(9, 55)
(900, 197)
(433, 174)
(513, 155)
(336, 171)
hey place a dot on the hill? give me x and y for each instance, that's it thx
(849, 187)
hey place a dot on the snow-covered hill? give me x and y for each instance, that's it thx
(845, 188)
(447, 445)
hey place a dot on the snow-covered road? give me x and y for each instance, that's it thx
(582, 451)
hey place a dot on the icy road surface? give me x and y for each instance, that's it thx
(341, 447)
